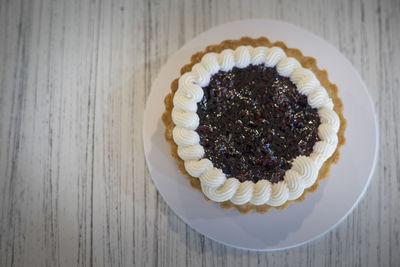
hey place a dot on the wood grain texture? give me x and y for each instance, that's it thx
(74, 78)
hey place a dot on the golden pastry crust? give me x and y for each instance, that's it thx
(306, 62)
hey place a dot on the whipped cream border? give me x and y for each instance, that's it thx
(214, 183)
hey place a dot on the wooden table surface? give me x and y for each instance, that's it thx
(74, 78)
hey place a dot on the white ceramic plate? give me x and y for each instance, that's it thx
(300, 222)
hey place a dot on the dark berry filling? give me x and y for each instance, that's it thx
(253, 123)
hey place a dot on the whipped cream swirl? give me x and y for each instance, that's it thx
(214, 183)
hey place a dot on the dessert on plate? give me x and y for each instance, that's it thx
(254, 125)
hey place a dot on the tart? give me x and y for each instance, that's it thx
(254, 125)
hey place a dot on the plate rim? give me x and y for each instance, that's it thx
(358, 77)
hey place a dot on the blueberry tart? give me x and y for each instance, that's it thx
(254, 125)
